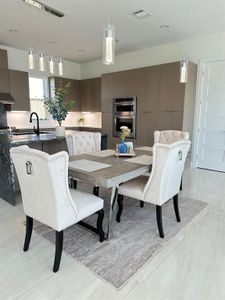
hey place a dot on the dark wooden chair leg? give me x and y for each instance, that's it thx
(159, 220)
(176, 207)
(29, 228)
(120, 207)
(58, 249)
(96, 190)
(73, 183)
(181, 184)
(99, 225)
(142, 203)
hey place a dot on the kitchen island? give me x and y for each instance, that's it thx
(46, 141)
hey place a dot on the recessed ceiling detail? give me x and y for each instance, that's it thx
(141, 14)
(79, 30)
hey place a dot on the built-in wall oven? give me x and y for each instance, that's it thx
(124, 114)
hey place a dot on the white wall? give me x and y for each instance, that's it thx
(194, 49)
(17, 60)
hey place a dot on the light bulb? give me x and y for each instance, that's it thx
(184, 71)
(41, 62)
(31, 62)
(51, 65)
(109, 45)
(60, 65)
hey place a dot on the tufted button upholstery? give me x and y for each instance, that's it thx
(83, 142)
(170, 136)
(45, 192)
(164, 180)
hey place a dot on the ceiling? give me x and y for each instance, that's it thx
(79, 33)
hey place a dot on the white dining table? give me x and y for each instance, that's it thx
(112, 172)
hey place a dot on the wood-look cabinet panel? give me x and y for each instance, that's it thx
(85, 94)
(73, 94)
(119, 82)
(4, 80)
(176, 122)
(52, 147)
(90, 94)
(19, 89)
(96, 95)
(147, 123)
(3, 59)
(170, 121)
(106, 93)
(150, 89)
(107, 122)
(178, 90)
(166, 87)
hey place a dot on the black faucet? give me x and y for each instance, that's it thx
(36, 130)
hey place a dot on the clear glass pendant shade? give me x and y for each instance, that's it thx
(51, 65)
(60, 65)
(184, 71)
(31, 60)
(41, 62)
(108, 45)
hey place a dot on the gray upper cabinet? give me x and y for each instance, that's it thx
(3, 59)
(90, 95)
(19, 89)
(74, 91)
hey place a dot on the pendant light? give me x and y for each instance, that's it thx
(41, 62)
(60, 66)
(31, 59)
(108, 45)
(184, 71)
(51, 65)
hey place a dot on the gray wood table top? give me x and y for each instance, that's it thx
(118, 172)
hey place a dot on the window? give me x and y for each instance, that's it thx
(38, 89)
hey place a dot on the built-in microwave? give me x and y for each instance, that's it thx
(125, 105)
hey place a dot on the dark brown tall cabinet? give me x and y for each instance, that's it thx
(90, 95)
(74, 91)
(160, 98)
(19, 89)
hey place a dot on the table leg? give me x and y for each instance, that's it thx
(111, 214)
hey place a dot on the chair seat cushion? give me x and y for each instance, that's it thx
(134, 188)
(87, 204)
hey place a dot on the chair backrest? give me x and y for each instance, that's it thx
(167, 168)
(43, 180)
(83, 142)
(170, 136)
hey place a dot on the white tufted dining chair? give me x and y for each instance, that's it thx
(170, 136)
(81, 142)
(163, 182)
(46, 197)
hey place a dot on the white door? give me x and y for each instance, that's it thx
(211, 136)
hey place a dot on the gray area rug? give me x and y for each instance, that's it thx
(135, 240)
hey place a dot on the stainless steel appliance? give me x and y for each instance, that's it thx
(124, 114)
(122, 105)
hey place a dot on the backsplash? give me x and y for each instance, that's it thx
(21, 120)
(3, 119)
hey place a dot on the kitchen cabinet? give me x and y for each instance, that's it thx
(161, 98)
(3, 59)
(4, 80)
(106, 93)
(74, 91)
(19, 90)
(90, 95)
